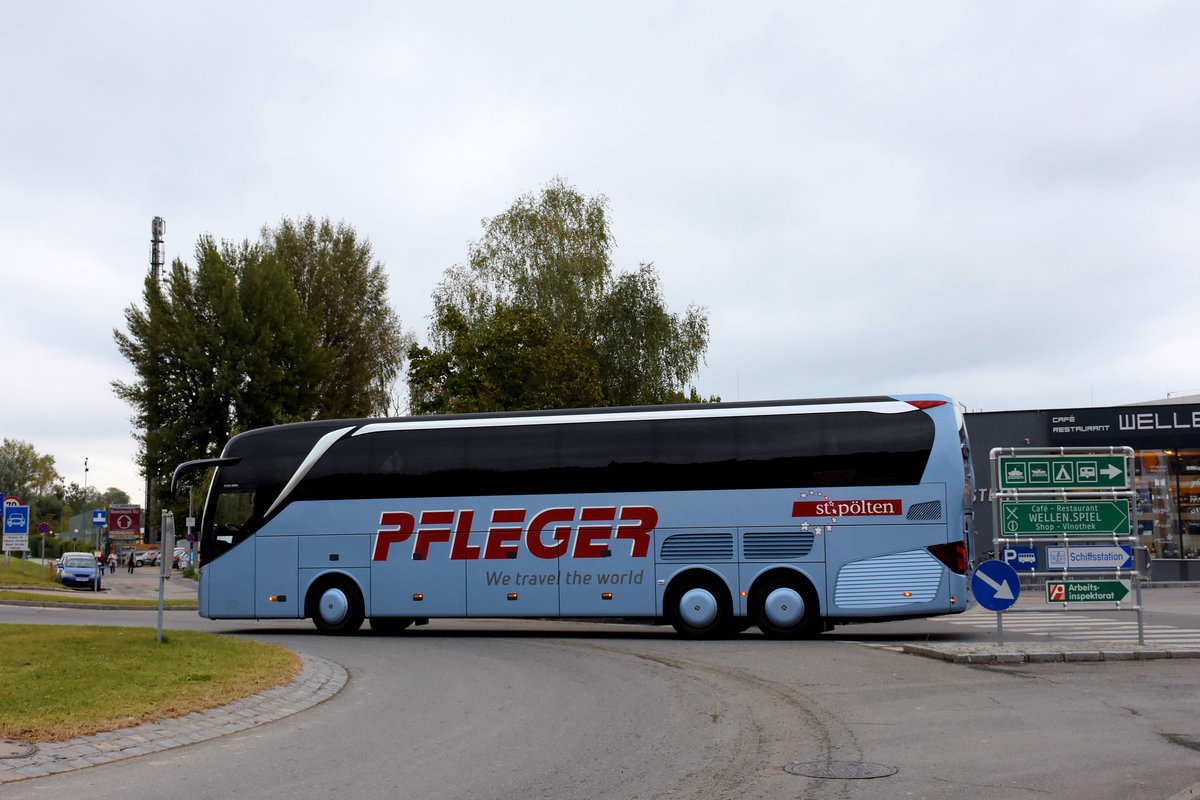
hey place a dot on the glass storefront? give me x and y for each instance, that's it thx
(1168, 490)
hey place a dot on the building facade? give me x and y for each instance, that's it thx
(1165, 437)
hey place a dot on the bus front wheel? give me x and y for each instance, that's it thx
(337, 606)
(698, 606)
(785, 606)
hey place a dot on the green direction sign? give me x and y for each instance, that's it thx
(1086, 591)
(1070, 517)
(1076, 471)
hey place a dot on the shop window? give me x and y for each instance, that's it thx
(1156, 508)
(1188, 482)
(1167, 485)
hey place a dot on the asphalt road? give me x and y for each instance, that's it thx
(487, 709)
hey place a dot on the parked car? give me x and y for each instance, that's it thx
(80, 569)
(177, 560)
(145, 558)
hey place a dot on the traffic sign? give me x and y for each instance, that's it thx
(995, 585)
(1068, 471)
(1090, 557)
(16, 520)
(16, 529)
(1086, 591)
(1070, 517)
(1022, 558)
(99, 518)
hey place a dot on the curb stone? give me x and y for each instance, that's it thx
(318, 680)
(1040, 652)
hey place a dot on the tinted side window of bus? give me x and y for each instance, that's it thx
(773, 451)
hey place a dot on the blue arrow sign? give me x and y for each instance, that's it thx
(995, 585)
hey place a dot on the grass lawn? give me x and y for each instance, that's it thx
(27, 572)
(61, 681)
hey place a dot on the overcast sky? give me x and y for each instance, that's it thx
(995, 201)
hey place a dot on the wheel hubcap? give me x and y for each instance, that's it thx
(698, 608)
(784, 607)
(334, 606)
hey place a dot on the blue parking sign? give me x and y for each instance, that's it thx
(1021, 558)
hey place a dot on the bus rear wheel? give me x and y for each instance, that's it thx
(337, 606)
(785, 606)
(698, 606)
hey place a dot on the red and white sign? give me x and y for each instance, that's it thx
(848, 508)
(124, 519)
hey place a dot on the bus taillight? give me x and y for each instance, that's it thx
(922, 404)
(952, 554)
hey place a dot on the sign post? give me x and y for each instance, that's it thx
(164, 563)
(996, 587)
(1077, 504)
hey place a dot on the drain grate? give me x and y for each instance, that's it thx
(10, 748)
(841, 770)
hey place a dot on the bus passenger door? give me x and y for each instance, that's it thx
(227, 588)
(276, 577)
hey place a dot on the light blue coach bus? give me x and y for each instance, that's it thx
(792, 516)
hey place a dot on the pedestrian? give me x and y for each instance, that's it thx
(112, 563)
(131, 563)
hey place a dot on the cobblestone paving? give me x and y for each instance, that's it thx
(318, 680)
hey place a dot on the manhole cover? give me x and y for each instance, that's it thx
(14, 749)
(841, 770)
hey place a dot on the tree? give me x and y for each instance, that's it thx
(80, 499)
(512, 362)
(232, 344)
(345, 296)
(25, 473)
(224, 348)
(645, 353)
(536, 319)
(31, 477)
